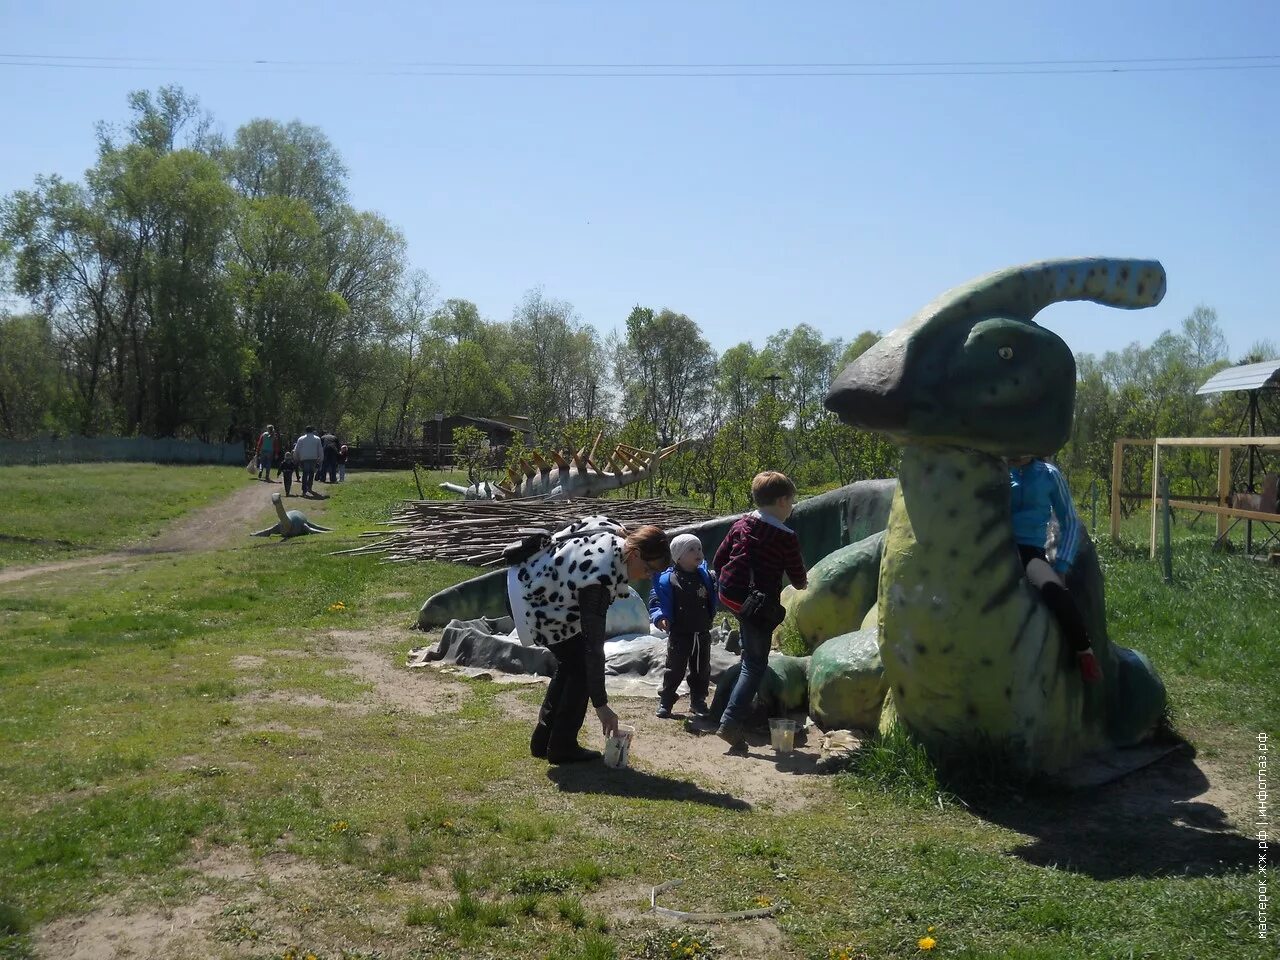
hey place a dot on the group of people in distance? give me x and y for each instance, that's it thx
(560, 594)
(312, 457)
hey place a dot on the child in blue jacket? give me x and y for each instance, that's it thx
(682, 602)
(1038, 490)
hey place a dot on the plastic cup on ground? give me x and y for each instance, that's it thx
(617, 749)
(782, 734)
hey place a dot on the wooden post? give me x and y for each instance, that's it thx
(1167, 558)
(1117, 464)
(1224, 488)
(1155, 493)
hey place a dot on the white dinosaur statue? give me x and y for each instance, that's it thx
(570, 475)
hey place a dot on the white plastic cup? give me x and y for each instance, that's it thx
(617, 749)
(782, 734)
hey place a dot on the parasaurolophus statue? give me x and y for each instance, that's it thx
(972, 658)
(292, 523)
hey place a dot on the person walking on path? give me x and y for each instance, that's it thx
(265, 452)
(329, 468)
(343, 453)
(307, 453)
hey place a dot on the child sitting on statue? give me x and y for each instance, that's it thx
(682, 602)
(1037, 491)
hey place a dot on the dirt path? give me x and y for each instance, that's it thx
(211, 527)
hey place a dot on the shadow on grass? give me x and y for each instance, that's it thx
(1147, 824)
(629, 782)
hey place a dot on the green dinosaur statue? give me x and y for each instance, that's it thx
(293, 523)
(972, 658)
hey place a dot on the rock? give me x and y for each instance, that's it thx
(846, 681)
(842, 588)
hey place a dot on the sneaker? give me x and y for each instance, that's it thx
(574, 754)
(699, 708)
(1090, 669)
(664, 712)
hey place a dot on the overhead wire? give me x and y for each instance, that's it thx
(427, 68)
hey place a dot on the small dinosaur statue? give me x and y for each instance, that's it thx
(569, 475)
(972, 658)
(293, 523)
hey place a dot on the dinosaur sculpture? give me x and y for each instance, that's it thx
(917, 607)
(971, 657)
(292, 523)
(570, 475)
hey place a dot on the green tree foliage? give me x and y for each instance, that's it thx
(471, 452)
(28, 376)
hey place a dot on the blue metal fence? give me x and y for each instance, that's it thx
(100, 449)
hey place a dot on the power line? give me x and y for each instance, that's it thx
(685, 71)
(647, 66)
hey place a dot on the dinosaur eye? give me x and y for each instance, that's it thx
(1005, 353)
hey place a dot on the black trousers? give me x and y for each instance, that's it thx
(288, 481)
(691, 652)
(564, 708)
(1056, 596)
(329, 466)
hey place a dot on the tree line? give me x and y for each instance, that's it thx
(202, 285)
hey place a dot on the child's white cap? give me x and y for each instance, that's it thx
(683, 544)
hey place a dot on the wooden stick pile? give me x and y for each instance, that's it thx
(476, 531)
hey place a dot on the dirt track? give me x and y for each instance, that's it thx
(218, 525)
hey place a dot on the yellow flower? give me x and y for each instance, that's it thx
(310, 956)
(339, 827)
(931, 929)
(763, 901)
(926, 943)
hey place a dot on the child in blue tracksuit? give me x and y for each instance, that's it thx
(682, 602)
(1037, 489)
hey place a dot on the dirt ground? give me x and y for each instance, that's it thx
(243, 905)
(209, 528)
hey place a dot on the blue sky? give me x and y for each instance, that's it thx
(749, 203)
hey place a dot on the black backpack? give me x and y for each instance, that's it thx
(532, 540)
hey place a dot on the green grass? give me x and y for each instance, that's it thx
(143, 715)
(56, 512)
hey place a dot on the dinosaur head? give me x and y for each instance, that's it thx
(973, 370)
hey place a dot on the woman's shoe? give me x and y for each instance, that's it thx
(574, 754)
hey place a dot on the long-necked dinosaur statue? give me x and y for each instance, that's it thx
(292, 523)
(972, 658)
(569, 474)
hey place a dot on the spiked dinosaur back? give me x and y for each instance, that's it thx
(570, 475)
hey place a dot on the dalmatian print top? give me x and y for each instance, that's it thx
(544, 589)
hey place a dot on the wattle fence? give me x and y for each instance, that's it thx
(102, 449)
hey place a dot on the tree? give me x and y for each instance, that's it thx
(666, 369)
(28, 375)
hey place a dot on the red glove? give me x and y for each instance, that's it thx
(1090, 670)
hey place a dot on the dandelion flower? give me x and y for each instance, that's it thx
(926, 943)
(931, 929)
